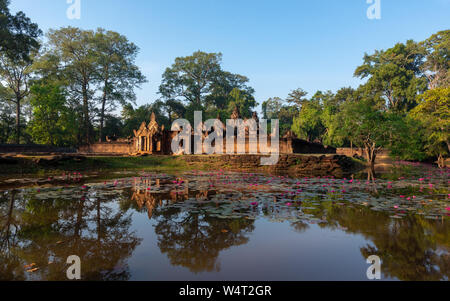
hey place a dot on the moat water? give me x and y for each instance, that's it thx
(217, 225)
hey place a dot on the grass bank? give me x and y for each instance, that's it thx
(31, 166)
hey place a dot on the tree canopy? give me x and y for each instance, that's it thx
(198, 82)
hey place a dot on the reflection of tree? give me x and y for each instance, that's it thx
(410, 248)
(194, 240)
(90, 227)
(190, 239)
(10, 265)
(300, 226)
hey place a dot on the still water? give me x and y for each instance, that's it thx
(229, 226)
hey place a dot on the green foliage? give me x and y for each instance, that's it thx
(433, 114)
(6, 116)
(241, 100)
(366, 126)
(52, 123)
(395, 74)
(133, 118)
(297, 97)
(316, 119)
(271, 107)
(308, 124)
(18, 44)
(95, 68)
(113, 127)
(16, 75)
(199, 82)
(18, 35)
(276, 108)
(409, 139)
(117, 73)
(437, 64)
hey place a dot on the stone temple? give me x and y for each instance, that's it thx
(153, 139)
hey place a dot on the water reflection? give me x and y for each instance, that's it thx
(197, 216)
(43, 233)
(412, 248)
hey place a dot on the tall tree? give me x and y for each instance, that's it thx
(18, 35)
(276, 108)
(191, 78)
(297, 97)
(433, 113)
(366, 125)
(52, 122)
(6, 115)
(308, 123)
(71, 59)
(199, 82)
(18, 43)
(242, 101)
(395, 74)
(175, 109)
(16, 75)
(437, 64)
(271, 107)
(117, 71)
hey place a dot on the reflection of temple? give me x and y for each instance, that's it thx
(148, 200)
(143, 195)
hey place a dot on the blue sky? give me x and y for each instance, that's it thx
(280, 45)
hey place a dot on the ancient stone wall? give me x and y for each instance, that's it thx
(113, 148)
(286, 146)
(33, 149)
(308, 165)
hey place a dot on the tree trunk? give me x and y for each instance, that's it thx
(102, 116)
(102, 113)
(9, 220)
(18, 99)
(370, 154)
(441, 161)
(86, 114)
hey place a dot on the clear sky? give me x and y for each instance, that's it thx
(280, 45)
